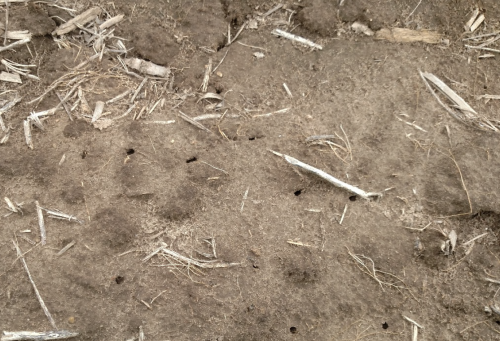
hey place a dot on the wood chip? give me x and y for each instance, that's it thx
(10, 77)
(404, 35)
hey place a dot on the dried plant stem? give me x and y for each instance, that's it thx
(37, 336)
(42, 304)
(41, 224)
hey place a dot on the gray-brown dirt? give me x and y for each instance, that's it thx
(137, 184)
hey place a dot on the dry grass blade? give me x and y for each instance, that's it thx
(296, 38)
(334, 181)
(40, 300)
(193, 122)
(465, 113)
(41, 224)
(37, 336)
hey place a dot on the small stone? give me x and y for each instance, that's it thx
(71, 319)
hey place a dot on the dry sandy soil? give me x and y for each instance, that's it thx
(135, 185)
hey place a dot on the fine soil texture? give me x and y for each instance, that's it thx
(180, 223)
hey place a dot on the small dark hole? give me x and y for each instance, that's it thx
(497, 322)
(385, 325)
(255, 266)
(297, 193)
(220, 46)
(293, 330)
(193, 159)
(485, 87)
(119, 279)
(251, 138)
(84, 154)
(352, 198)
(130, 151)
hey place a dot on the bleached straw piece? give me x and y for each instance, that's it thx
(27, 133)
(41, 224)
(281, 111)
(334, 181)
(119, 97)
(478, 22)
(15, 44)
(287, 90)
(186, 260)
(296, 38)
(99, 108)
(80, 19)
(37, 336)
(66, 248)
(206, 78)
(193, 122)
(60, 215)
(473, 17)
(10, 77)
(110, 22)
(139, 88)
(38, 296)
(412, 321)
(159, 122)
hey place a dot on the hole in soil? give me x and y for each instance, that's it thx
(251, 138)
(255, 266)
(352, 198)
(297, 193)
(119, 279)
(193, 159)
(130, 151)
(497, 322)
(84, 154)
(385, 325)
(293, 330)
(221, 45)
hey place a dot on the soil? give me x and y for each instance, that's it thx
(135, 185)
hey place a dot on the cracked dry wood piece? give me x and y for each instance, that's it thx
(80, 19)
(147, 68)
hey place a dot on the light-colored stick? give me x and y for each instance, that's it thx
(119, 97)
(410, 320)
(253, 47)
(66, 248)
(110, 22)
(41, 224)
(206, 78)
(475, 238)
(159, 122)
(482, 36)
(272, 113)
(334, 181)
(343, 215)
(60, 215)
(478, 22)
(200, 264)
(219, 169)
(65, 105)
(415, 333)
(296, 38)
(413, 10)
(42, 304)
(80, 19)
(492, 280)
(126, 112)
(27, 133)
(15, 44)
(237, 33)
(193, 122)
(473, 17)
(482, 48)
(287, 90)
(272, 10)
(215, 68)
(63, 158)
(138, 89)
(37, 336)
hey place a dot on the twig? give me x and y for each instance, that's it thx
(193, 122)
(37, 336)
(253, 47)
(237, 33)
(343, 215)
(296, 38)
(482, 48)
(225, 54)
(119, 97)
(200, 264)
(141, 333)
(334, 181)
(475, 238)
(65, 105)
(15, 44)
(27, 133)
(410, 320)
(413, 10)
(66, 248)
(219, 169)
(281, 111)
(42, 304)
(138, 89)
(492, 280)
(43, 234)
(287, 90)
